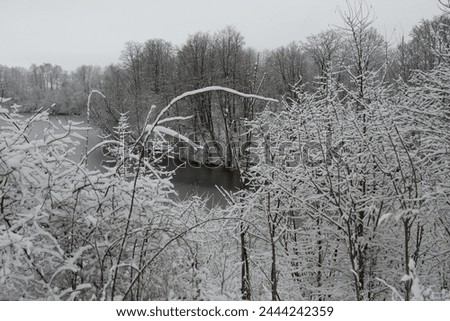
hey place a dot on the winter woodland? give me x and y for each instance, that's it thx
(341, 143)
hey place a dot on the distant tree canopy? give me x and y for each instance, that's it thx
(153, 72)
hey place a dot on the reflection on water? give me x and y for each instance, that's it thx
(203, 181)
(188, 181)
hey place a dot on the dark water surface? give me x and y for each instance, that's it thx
(203, 181)
(188, 181)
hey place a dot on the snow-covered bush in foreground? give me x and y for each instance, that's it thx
(349, 191)
(68, 233)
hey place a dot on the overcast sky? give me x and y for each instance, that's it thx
(74, 32)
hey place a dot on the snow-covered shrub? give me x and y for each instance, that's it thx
(71, 233)
(346, 190)
(67, 232)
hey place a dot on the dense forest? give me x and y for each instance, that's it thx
(341, 142)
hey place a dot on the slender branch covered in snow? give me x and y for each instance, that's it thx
(88, 113)
(150, 128)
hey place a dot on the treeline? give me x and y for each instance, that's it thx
(153, 72)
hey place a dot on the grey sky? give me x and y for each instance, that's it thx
(74, 32)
